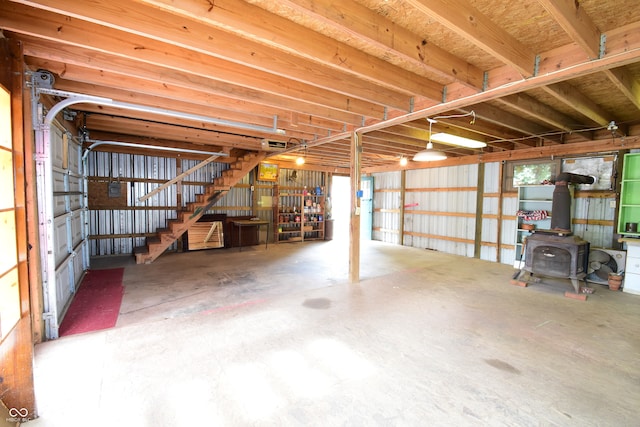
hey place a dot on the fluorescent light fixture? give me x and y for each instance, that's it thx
(460, 141)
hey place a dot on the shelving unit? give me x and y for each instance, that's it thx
(629, 211)
(299, 214)
(532, 198)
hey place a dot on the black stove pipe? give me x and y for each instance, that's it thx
(561, 205)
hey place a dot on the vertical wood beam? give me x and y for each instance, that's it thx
(354, 227)
(16, 349)
(615, 244)
(500, 201)
(403, 184)
(33, 248)
(479, 208)
(179, 196)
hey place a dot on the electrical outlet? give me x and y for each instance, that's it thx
(612, 204)
(252, 188)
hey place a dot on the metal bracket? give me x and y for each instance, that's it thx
(485, 81)
(536, 65)
(444, 94)
(42, 79)
(412, 104)
(69, 115)
(603, 42)
(385, 113)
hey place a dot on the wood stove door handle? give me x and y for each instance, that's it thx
(549, 255)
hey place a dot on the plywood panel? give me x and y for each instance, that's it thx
(99, 195)
(206, 235)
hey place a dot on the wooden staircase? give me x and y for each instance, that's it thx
(221, 185)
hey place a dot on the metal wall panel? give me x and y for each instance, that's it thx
(590, 209)
(386, 224)
(300, 178)
(492, 177)
(490, 206)
(447, 226)
(125, 221)
(115, 165)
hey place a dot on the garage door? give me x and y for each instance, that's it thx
(63, 237)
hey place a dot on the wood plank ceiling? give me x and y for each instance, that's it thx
(538, 73)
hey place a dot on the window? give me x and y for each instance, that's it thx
(9, 286)
(529, 172)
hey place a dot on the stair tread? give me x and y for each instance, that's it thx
(139, 250)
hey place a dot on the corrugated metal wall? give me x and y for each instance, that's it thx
(134, 170)
(387, 199)
(591, 211)
(490, 212)
(145, 217)
(440, 212)
(443, 217)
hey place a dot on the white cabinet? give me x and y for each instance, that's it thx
(632, 275)
(534, 209)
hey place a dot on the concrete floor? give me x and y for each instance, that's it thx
(279, 337)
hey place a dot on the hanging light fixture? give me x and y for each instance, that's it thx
(301, 159)
(429, 154)
(403, 160)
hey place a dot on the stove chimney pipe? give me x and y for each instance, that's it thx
(561, 205)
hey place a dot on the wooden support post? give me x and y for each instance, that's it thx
(403, 184)
(354, 227)
(16, 345)
(500, 201)
(179, 196)
(479, 205)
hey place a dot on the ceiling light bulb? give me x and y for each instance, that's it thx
(300, 161)
(403, 161)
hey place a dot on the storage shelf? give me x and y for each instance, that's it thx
(629, 207)
(307, 209)
(531, 198)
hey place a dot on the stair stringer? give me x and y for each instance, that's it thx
(156, 245)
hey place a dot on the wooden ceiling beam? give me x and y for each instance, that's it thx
(195, 36)
(358, 22)
(200, 79)
(139, 56)
(460, 17)
(626, 83)
(255, 23)
(576, 23)
(196, 102)
(174, 87)
(531, 107)
(502, 118)
(573, 98)
(196, 136)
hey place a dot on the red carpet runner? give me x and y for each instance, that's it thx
(96, 304)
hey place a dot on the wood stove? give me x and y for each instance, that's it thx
(556, 252)
(550, 254)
